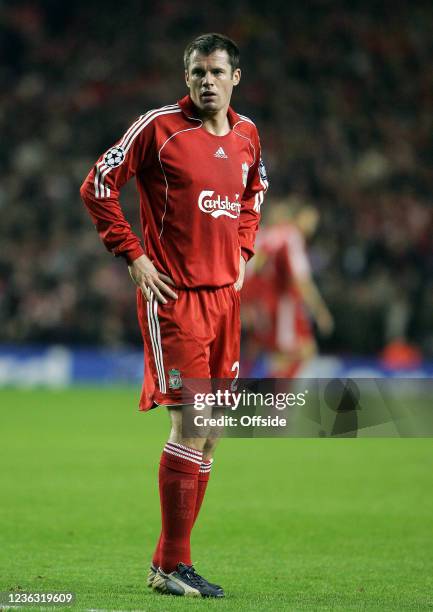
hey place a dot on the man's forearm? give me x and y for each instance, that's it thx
(110, 223)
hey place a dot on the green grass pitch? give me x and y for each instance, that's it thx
(287, 524)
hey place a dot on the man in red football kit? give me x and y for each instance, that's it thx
(201, 182)
(282, 274)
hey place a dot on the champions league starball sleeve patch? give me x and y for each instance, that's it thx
(114, 157)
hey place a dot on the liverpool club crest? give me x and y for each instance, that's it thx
(174, 379)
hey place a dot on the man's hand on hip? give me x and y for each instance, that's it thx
(242, 265)
(146, 276)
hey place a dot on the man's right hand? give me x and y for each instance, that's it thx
(146, 276)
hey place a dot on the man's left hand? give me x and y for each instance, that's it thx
(242, 265)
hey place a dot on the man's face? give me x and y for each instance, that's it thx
(210, 80)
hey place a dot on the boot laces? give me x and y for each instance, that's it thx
(193, 577)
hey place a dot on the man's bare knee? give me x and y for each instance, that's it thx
(183, 429)
(214, 435)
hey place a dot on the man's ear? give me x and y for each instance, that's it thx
(236, 77)
(187, 78)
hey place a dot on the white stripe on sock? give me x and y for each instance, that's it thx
(206, 466)
(186, 457)
(192, 451)
(190, 454)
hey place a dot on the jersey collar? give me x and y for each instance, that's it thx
(190, 110)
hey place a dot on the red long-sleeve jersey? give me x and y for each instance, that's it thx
(200, 194)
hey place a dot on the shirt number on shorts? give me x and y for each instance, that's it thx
(235, 368)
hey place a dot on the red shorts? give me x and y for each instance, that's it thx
(196, 336)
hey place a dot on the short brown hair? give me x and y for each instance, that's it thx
(208, 43)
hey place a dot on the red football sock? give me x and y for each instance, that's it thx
(203, 479)
(178, 486)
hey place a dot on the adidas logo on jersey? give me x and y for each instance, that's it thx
(220, 153)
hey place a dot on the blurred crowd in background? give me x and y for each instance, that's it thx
(342, 93)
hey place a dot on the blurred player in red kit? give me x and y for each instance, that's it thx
(279, 323)
(198, 169)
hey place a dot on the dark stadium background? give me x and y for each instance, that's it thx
(342, 94)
